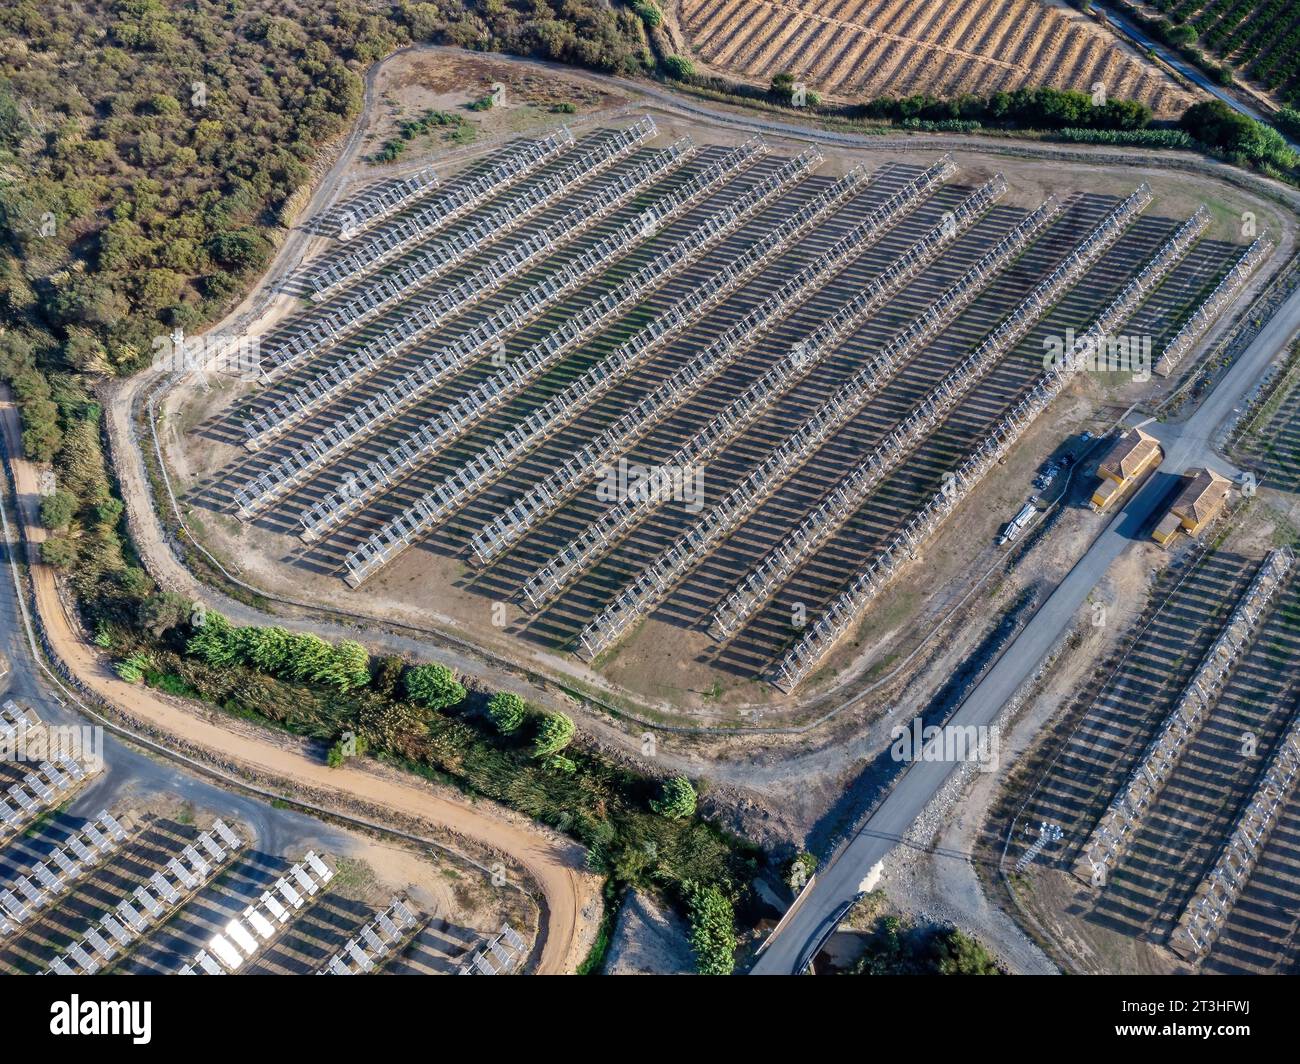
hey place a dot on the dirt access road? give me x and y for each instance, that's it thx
(569, 891)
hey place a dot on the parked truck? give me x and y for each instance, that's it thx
(1018, 524)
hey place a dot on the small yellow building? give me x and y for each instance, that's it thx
(1200, 500)
(1131, 455)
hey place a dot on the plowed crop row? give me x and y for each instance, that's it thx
(867, 48)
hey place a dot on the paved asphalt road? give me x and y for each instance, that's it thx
(1124, 28)
(1186, 443)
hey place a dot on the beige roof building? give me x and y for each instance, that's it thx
(1131, 455)
(1200, 500)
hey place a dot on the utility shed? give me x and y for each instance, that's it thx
(1131, 455)
(1200, 500)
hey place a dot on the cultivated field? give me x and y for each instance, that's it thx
(817, 367)
(1261, 37)
(868, 48)
(1171, 781)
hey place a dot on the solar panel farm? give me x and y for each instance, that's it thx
(146, 885)
(682, 416)
(631, 487)
(1156, 807)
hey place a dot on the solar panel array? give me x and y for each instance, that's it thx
(125, 925)
(510, 167)
(434, 435)
(1213, 305)
(782, 341)
(1203, 917)
(495, 538)
(1115, 830)
(807, 653)
(377, 202)
(49, 785)
(373, 944)
(761, 582)
(54, 875)
(15, 723)
(502, 954)
(243, 938)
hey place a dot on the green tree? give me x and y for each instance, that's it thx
(554, 733)
(434, 686)
(308, 658)
(240, 251)
(1214, 123)
(954, 953)
(1288, 121)
(649, 13)
(57, 510)
(265, 648)
(507, 711)
(162, 612)
(348, 667)
(676, 799)
(781, 88)
(1217, 125)
(214, 640)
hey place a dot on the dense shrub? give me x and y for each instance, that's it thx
(507, 711)
(1041, 108)
(57, 510)
(600, 803)
(1151, 138)
(679, 68)
(554, 733)
(713, 930)
(676, 798)
(895, 947)
(801, 870)
(648, 12)
(434, 686)
(1216, 125)
(344, 666)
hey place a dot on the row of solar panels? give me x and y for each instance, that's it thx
(84, 849)
(375, 942)
(500, 956)
(15, 722)
(235, 945)
(49, 785)
(126, 925)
